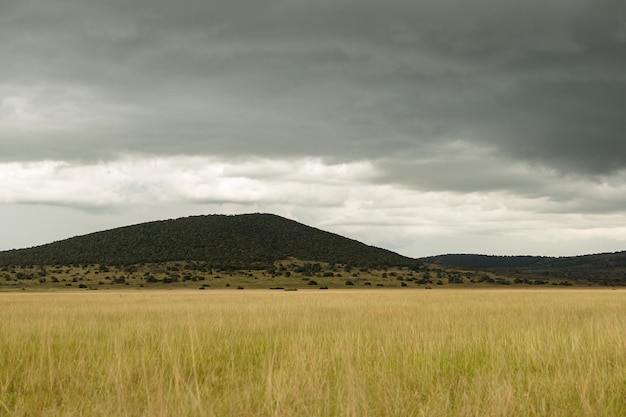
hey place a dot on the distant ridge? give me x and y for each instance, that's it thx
(609, 259)
(236, 241)
(607, 268)
(487, 261)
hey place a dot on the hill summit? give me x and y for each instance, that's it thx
(235, 241)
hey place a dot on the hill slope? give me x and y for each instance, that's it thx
(242, 241)
(606, 268)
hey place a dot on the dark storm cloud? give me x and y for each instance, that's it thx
(537, 81)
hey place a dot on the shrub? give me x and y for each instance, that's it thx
(455, 280)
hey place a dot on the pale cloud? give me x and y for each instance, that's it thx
(180, 179)
(344, 198)
(40, 106)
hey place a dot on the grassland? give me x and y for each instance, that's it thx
(445, 352)
(290, 273)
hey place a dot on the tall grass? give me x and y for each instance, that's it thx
(314, 353)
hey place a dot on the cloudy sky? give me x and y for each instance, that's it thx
(422, 126)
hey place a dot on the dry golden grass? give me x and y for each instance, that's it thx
(314, 353)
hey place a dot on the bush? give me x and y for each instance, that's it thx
(349, 283)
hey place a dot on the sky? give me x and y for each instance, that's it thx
(421, 126)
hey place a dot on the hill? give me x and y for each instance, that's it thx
(604, 268)
(240, 241)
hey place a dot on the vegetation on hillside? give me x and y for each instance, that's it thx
(287, 274)
(604, 268)
(241, 244)
(235, 242)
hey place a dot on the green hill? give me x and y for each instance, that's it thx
(240, 241)
(603, 268)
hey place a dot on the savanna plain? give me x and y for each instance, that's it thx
(357, 352)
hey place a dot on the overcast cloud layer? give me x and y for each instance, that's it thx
(423, 126)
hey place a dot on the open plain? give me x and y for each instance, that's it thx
(357, 352)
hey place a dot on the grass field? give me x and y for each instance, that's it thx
(290, 273)
(492, 352)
